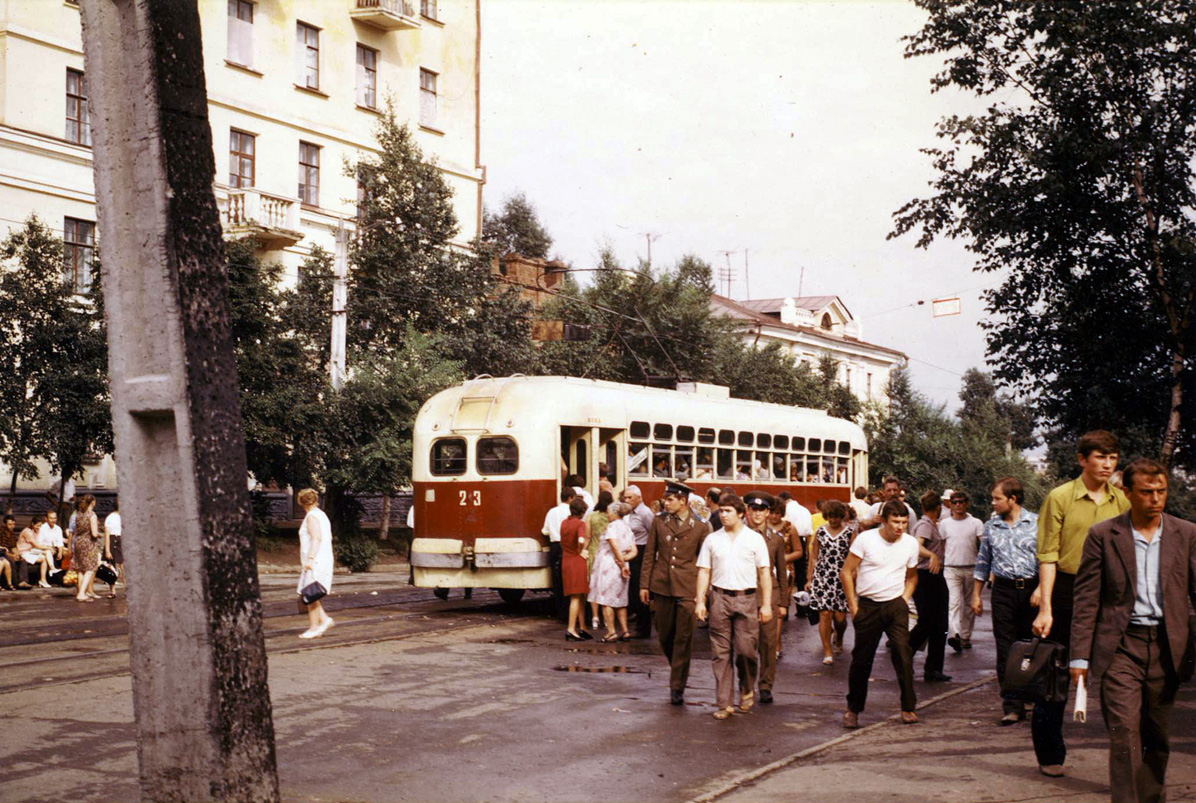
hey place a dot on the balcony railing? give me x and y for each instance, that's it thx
(389, 15)
(273, 219)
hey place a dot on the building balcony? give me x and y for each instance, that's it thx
(250, 212)
(389, 15)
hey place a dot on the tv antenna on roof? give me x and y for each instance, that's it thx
(727, 275)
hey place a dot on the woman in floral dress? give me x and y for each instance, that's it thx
(828, 551)
(612, 572)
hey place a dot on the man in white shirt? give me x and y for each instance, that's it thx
(51, 541)
(961, 533)
(640, 521)
(879, 578)
(860, 503)
(734, 563)
(891, 488)
(552, 528)
(797, 514)
(115, 552)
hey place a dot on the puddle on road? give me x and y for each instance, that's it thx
(511, 641)
(616, 670)
(615, 651)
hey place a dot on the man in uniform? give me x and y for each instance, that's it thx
(1063, 523)
(734, 564)
(669, 580)
(759, 506)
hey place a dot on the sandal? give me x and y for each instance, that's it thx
(746, 701)
(625, 637)
(608, 639)
(909, 718)
(84, 599)
(724, 713)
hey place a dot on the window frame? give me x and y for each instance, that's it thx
(306, 171)
(477, 456)
(302, 31)
(82, 120)
(370, 101)
(76, 252)
(429, 5)
(432, 456)
(429, 88)
(235, 8)
(236, 179)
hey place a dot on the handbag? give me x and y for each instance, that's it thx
(1036, 672)
(313, 591)
(106, 574)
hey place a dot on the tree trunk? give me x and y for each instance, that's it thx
(384, 530)
(12, 494)
(61, 491)
(1177, 398)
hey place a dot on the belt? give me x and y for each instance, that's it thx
(1144, 630)
(1014, 582)
(745, 593)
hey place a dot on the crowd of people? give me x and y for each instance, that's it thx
(43, 554)
(1091, 571)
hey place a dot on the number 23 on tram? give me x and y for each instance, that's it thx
(490, 456)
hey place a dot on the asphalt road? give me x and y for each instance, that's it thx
(411, 698)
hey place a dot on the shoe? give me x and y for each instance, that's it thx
(586, 636)
(1012, 718)
(322, 627)
(955, 644)
(828, 660)
(84, 599)
(746, 701)
(570, 637)
(609, 639)
(676, 697)
(625, 637)
(837, 649)
(594, 623)
(309, 633)
(765, 697)
(724, 713)
(909, 718)
(967, 643)
(851, 720)
(441, 593)
(42, 584)
(936, 677)
(23, 586)
(1052, 770)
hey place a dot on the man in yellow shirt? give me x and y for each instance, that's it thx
(1063, 523)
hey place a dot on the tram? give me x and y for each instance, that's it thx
(490, 456)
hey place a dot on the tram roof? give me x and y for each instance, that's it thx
(563, 400)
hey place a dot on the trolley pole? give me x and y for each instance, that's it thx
(340, 296)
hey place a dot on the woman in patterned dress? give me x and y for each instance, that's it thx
(612, 573)
(828, 551)
(85, 546)
(597, 520)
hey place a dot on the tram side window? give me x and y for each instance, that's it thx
(662, 461)
(640, 430)
(683, 462)
(813, 471)
(799, 444)
(637, 459)
(778, 467)
(780, 442)
(685, 434)
(705, 464)
(662, 432)
(747, 439)
(815, 445)
(726, 437)
(841, 470)
(448, 457)
(705, 435)
(828, 469)
(497, 456)
(797, 468)
(726, 464)
(743, 465)
(760, 466)
(845, 448)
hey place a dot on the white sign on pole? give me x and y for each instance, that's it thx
(945, 306)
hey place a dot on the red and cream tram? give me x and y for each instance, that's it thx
(490, 456)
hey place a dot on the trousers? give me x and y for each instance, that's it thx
(1046, 727)
(636, 608)
(1013, 620)
(872, 620)
(734, 636)
(675, 629)
(959, 587)
(931, 598)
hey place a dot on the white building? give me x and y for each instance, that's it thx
(808, 327)
(294, 92)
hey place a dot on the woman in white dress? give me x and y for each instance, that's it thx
(315, 555)
(612, 572)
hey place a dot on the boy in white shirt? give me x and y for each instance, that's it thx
(879, 578)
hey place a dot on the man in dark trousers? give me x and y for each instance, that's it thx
(931, 596)
(1130, 627)
(669, 580)
(759, 505)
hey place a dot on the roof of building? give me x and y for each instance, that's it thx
(740, 309)
(768, 305)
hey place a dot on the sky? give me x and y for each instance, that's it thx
(785, 131)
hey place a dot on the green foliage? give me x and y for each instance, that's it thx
(928, 449)
(356, 551)
(516, 229)
(54, 401)
(1076, 184)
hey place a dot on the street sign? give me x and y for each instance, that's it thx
(945, 306)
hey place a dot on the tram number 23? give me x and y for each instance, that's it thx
(470, 498)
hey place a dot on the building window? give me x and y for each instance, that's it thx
(240, 158)
(367, 77)
(240, 32)
(869, 385)
(427, 8)
(309, 56)
(79, 240)
(78, 117)
(309, 174)
(427, 98)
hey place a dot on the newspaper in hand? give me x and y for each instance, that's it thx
(1081, 710)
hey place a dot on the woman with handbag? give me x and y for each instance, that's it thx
(315, 555)
(85, 547)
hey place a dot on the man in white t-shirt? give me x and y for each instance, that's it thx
(891, 488)
(552, 528)
(961, 533)
(50, 539)
(733, 564)
(860, 504)
(879, 578)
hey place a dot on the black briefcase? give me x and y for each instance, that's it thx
(1036, 672)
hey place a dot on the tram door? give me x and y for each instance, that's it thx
(578, 455)
(612, 450)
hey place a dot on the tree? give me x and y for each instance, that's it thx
(1078, 181)
(516, 229)
(986, 410)
(54, 405)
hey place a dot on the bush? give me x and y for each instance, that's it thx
(356, 552)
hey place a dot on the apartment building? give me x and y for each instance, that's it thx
(295, 89)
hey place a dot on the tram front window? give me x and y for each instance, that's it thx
(497, 456)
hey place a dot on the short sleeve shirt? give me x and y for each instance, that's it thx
(1064, 520)
(48, 536)
(962, 538)
(112, 524)
(733, 561)
(883, 564)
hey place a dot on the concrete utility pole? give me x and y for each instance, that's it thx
(340, 297)
(204, 724)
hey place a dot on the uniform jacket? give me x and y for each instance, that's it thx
(1106, 585)
(780, 570)
(671, 556)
